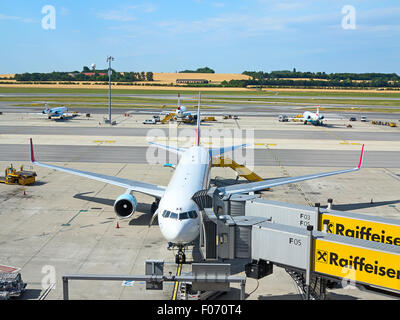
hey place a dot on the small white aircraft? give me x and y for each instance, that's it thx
(178, 215)
(180, 112)
(316, 119)
(59, 112)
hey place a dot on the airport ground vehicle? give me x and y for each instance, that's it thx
(22, 177)
(156, 118)
(149, 121)
(352, 119)
(185, 292)
(363, 119)
(11, 285)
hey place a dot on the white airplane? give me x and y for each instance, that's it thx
(55, 112)
(178, 215)
(313, 118)
(180, 111)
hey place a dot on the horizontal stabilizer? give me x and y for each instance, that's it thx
(168, 148)
(218, 151)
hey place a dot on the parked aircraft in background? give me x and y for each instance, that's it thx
(316, 118)
(178, 215)
(180, 113)
(58, 112)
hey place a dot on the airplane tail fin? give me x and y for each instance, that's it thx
(198, 123)
(318, 109)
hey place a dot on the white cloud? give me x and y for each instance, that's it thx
(285, 6)
(127, 13)
(218, 4)
(116, 15)
(15, 18)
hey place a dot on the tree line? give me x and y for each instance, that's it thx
(98, 75)
(199, 70)
(261, 75)
(312, 83)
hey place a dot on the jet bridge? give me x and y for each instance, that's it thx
(314, 244)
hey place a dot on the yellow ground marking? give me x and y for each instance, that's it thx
(176, 285)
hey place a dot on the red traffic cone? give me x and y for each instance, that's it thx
(24, 193)
(117, 225)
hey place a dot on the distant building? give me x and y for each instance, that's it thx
(191, 81)
(90, 74)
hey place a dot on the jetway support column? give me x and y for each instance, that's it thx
(309, 259)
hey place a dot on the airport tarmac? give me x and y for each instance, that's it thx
(66, 224)
(245, 108)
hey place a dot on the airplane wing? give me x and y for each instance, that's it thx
(142, 187)
(261, 185)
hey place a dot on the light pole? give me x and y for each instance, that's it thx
(109, 59)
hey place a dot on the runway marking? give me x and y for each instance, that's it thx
(334, 135)
(106, 141)
(286, 173)
(68, 223)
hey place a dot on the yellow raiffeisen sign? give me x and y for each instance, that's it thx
(370, 266)
(362, 229)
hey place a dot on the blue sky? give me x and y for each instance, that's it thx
(228, 36)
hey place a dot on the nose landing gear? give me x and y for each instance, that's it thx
(180, 257)
(154, 206)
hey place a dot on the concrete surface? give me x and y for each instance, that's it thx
(66, 224)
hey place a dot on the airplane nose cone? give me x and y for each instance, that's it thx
(180, 232)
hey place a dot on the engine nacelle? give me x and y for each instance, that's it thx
(125, 205)
(321, 117)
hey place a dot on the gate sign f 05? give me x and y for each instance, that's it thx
(356, 263)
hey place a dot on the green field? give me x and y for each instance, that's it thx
(175, 91)
(290, 97)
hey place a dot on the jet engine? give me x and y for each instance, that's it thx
(125, 205)
(321, 117)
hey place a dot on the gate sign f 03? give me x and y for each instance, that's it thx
(362, 227)
(366, 265)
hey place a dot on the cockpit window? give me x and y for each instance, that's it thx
(166, 213)
(192, 214)
(183, 216)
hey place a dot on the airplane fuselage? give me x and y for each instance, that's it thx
(313, 118)
(178, 215)
(55, 112)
